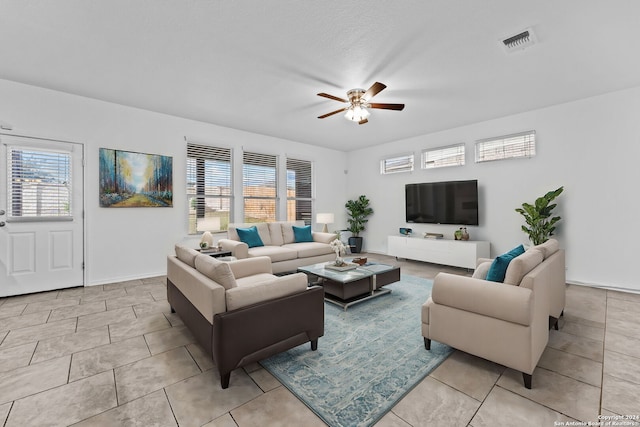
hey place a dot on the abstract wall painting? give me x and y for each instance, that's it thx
(129, 179)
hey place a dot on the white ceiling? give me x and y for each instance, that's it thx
(257, 65)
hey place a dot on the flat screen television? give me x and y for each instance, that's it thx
(451, 202)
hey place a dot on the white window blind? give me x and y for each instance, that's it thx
(209, 187)
(39, 184)
(506, 147)
(452, 155)
(299, 191)
(260, 187)
(403, 163)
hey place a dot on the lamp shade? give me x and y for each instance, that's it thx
(211, 223)
(324, 218)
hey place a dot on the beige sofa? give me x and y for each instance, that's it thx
(507, 323)
(238, 311)
(280, 246)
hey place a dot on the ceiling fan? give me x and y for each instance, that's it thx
(358, 103)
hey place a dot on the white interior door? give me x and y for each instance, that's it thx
(41, 215)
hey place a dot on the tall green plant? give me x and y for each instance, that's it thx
(540, 224)
(359, 212)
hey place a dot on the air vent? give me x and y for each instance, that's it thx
(520, 41)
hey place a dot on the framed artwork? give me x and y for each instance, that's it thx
(134, 180)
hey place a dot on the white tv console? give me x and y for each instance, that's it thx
(457, 253)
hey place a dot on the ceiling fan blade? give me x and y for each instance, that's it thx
(375, 89)
(398, 107)
(363, 121)
(335, 98)
(332, 113)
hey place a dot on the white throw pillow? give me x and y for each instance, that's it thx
(482, 270)
(218, 271)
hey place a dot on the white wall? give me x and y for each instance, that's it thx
(591, 147)
(131, 243)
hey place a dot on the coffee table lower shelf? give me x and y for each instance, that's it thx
(355, 300)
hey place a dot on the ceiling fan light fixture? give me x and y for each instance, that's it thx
(357, 113)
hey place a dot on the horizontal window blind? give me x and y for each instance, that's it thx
(452, 155)
(517, 145)
(299, 191)
(403, 163)
(259, 187)
(39, 183)
(209, 187)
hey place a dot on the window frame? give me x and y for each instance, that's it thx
(296, 198)
(514, 146)
(200, 154)
(442, 151)
(17, 179)
(260, 160)
(385, 168)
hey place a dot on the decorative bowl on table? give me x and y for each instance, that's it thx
(360, 261)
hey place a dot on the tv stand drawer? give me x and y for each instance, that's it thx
(456, 253)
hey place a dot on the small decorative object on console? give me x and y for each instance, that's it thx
(433, 235)
(465, 234)
(457, 235)
(405, 231)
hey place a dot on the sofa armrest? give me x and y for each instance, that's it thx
(321, 237)
(481, 260)
(254, 293)
(238, 249)
(510, 303)
(253, 333)
(250, 266)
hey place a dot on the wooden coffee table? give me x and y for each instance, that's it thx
(346, 288)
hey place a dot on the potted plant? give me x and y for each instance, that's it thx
(540, 224)
(359, 212)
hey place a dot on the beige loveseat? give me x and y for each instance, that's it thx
(238, 311)
(507, 323)
(280, 245)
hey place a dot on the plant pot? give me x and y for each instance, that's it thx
(355, 243)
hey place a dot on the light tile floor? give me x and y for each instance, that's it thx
(115, 355)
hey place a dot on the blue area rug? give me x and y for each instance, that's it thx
(369, 357)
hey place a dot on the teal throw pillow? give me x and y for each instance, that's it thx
(499, 265)
(302, 234)
(250, 236)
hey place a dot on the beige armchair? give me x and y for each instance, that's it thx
(507, 323)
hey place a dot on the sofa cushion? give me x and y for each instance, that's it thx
(548, 248)
(187, 255)
(287, 233)
(276, 253)
(499, 265)
(309, 249)
(521, 265)
(265, 290)
(218, 271)
(250, 236)
(302, 234)
(275, 231)
(482, 270)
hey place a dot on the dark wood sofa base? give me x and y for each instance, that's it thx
(249, 334)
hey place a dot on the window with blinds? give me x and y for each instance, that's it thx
(452, 155)
(259, 187)
(39, 184)
(209, 188)
(513, 146)
(403, 163)
(299, 191)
